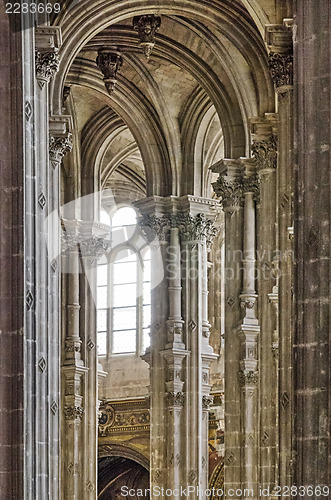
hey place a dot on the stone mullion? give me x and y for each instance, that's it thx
(265, 157)
(230, 188)
(279, 41)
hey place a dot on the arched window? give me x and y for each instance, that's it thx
(124, 289)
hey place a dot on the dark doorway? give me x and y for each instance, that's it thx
(118, 475)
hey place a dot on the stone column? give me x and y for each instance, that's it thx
(15, 300)
(42, 339)
(264, 149)
(312, 244)
(248, 332)
(180, 354)
(83, 244)
(279, 43)
(229, 187)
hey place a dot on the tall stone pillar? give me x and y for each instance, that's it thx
(279, 43)
(13, 296)
(83, 244)
(229, 187)
(180, 353)
(264, 149)
(249, 331)
(42, 338)
(312, 361)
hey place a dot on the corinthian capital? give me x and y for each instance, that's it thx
(193, 228)
(47, 64)
(58, 148)
(230, 185)
(265, 153)
(281, 70)
(280, 61)
(47, 60)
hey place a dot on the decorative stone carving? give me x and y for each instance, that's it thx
(118, 418)
(248, 378)
(28, 110)
(58, 148)
(230, 192)
(72, 346)
(42, 201)
(285, 400)
(42, 365)
(176, 399)
(54, 407)
(74, 412)
(94, 247)
(155, 226)
(265, 153)
(47, 64)
(109, 63)
(65, 95)
(29, 300)
(191, 228)
(281, 69)
(147, 26)
(252, 185)
(192, 325)
(90, 345)
(194, 228)
(206, 402)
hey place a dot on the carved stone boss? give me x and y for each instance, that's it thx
(147, 26)
(109, 62)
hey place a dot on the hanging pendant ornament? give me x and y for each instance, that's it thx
(109, 62)
(147, 26)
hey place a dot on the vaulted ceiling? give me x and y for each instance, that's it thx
(173, 115)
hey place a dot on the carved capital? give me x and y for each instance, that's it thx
(206, 402)
(265, 153)
(176, 399)
(147, 26)
(248, 378)
(281, 70)
(155, 226)
(195, 228)
(230, 191)
(252, 185)
(109, 63)
(74, 412)
(94, 247)
(47, 64)
(58, 148)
